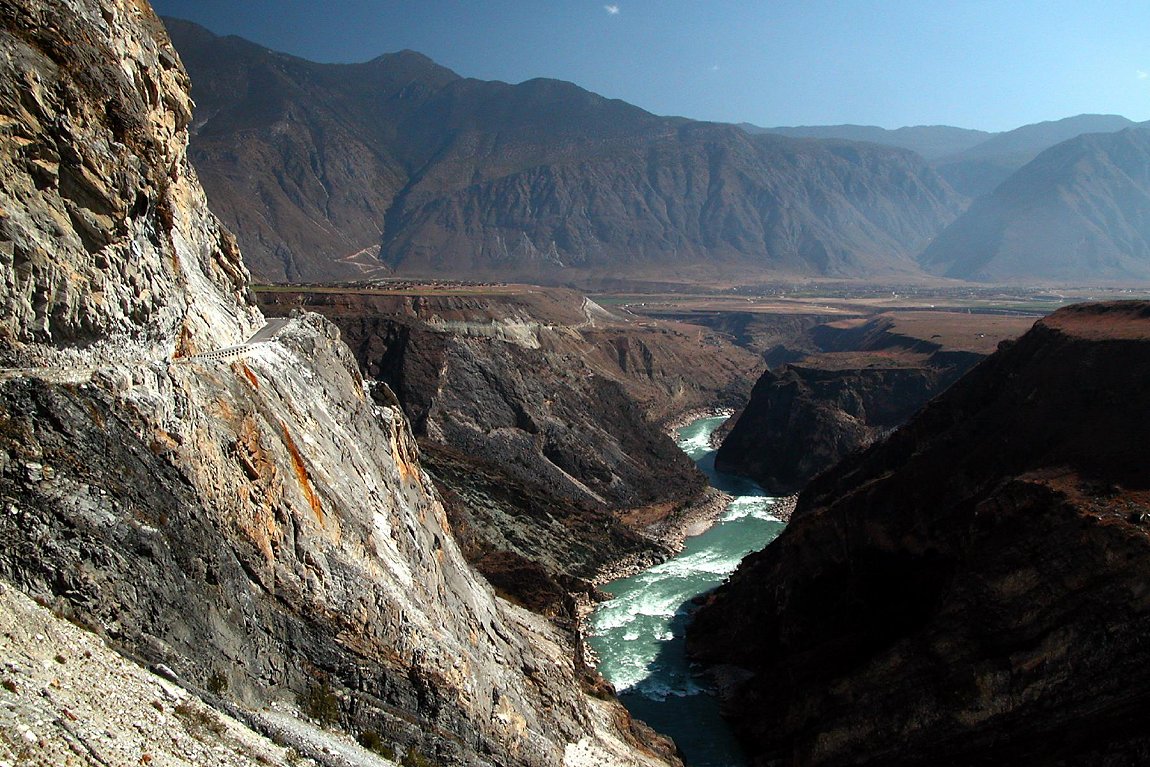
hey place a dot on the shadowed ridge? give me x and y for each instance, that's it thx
(967, 590)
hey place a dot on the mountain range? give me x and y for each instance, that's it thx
(400, 166)
(933, 142)
(974, 162)
(1078, 211)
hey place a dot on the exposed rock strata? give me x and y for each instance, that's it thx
(104, 233)
(971, 590)
(251, 518)
(543, 419)
(860, 380)
(529, 405)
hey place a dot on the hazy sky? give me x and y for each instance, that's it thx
(989, 65)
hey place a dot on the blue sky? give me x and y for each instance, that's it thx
(988, 65)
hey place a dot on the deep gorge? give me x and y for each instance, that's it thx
(639, 634)
(359, 523)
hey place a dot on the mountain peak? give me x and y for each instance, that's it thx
(338, 171)
(1078, 211)
(412, 62)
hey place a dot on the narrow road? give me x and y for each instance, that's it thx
(80, 374)
(267, 333)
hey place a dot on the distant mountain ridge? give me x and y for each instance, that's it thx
(930, 141)
(974, 162)
(1078, 211)
(401, 166)
(979, 169)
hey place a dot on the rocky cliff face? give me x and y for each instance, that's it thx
(333, 171)
(106, 238)
(857, 381)
(971, 589)
(538, 415)
(800, 420)
(530, 407)
(247, 515)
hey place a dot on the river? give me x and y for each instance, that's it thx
(638, 635)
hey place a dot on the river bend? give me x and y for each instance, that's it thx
(638, 635)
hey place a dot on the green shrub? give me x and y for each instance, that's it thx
(320, 702)
(416, 759)
(370, 740)
(200, 719)
(217, 683)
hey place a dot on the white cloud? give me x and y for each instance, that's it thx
(714, 67)
(613, 10)
(1143, 75)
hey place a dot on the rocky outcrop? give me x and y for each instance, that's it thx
(332, 171)
(250, 515)
(800, 421)
(667, 367)
(542, 419)
(104, 233)
(857, 381)
(531, 408)
(971, 589)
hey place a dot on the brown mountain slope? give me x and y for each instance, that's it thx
(320, 168)
(971, 590)
(683, 198)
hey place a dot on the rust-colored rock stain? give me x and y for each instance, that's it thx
(301, 474)
(248, 374)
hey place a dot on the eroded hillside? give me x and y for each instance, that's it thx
(537, 411)
(970, 590)
(232, 503)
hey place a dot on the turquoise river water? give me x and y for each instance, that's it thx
(638, 634)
